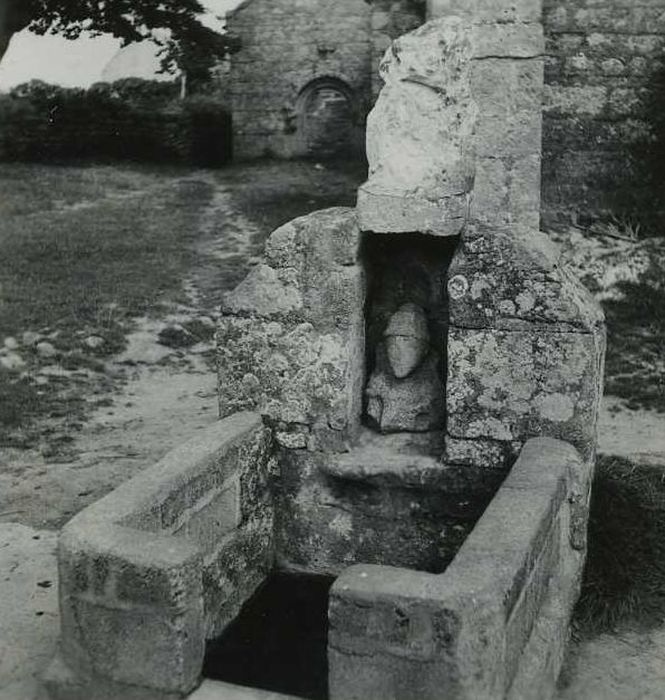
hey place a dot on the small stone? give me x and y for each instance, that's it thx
(175, 336)
(206, 321)
(11, 343)
(94, 341)
(31, 338)
(46, 350)
(12, 361)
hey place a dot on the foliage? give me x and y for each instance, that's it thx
(624, 576)
(635, 333)
(131, 119)
(129, 20)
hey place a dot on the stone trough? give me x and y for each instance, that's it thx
(408, 398)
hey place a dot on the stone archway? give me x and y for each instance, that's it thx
(328, 122)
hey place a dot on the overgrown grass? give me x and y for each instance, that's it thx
(99, 265)
(86, 268)
(270, 194)
(635, 364)
(624, 577)
(85, 250)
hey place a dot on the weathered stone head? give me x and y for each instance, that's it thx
(404, 392)
(407, 340)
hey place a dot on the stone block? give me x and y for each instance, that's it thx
(267, 293)
(509, 278)
(489, 11)
(291, 374)
(423, 639)
(520, 40)
(105, 631)
(239, 566)
(491, 203)
(504, 87)
(527, 608)
(419, 135)
(208, 522)
(514, 385)
(525, 345)
(132, 604)
(326, 521)
(480, 453)
(517, 137)
(148, 647)
(300, 367)
(61, 683)
(314, 242)
(524, 191)
(472, 631)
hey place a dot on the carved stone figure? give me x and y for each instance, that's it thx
(405, 392)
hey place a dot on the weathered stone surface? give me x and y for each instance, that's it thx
(132, 566)
(477, 630)
(509, 386)
(291, 337)
(506, 78)
(112, 637)
(419, 135)
(407, 340)
(287, 373)
(510, 279)
(488, 10)
(264, 292)
(602, 108)
(415, 403)
(327, 521)
(526, 343)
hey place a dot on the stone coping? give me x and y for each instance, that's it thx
(134, 568)
(462, 632)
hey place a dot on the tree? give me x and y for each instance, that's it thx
(129, 20)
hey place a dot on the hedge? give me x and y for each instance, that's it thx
(131, 119)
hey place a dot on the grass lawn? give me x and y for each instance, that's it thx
(85, 250)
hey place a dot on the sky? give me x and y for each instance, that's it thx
(76, 63)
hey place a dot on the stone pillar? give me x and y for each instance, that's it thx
(420, 135)
(507, 84)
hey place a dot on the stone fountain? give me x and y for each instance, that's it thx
(408, 392)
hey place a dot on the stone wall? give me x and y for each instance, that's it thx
(604, 107)
(494, 625)
(506, 76)
(605, 87)
(163, 563)
(286, 45)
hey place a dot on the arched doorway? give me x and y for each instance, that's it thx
(328, 120)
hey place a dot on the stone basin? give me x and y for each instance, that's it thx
(166, 562)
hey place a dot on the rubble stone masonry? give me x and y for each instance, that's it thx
(604, 99)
